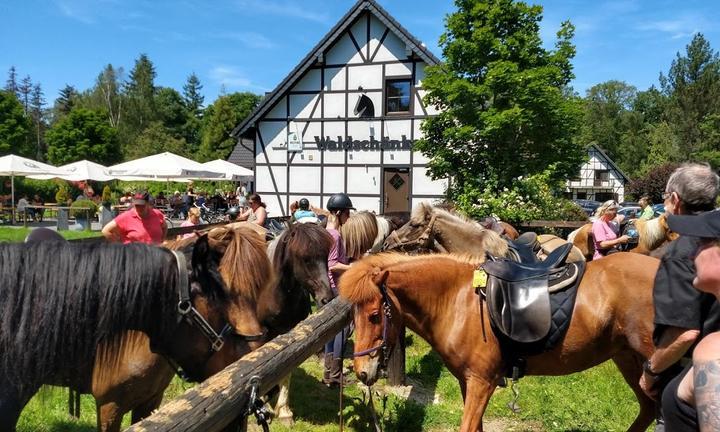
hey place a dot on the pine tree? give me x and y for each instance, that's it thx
(37, 104)
(192, 96)
(66, 101)
(141, 90)
(107, 86)
(11, 84)
(24, 90)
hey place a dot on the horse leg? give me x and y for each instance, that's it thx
(476, 393)
(109, 416)
(630, 365)
(146, 408)
(282, 408)
(12, 402)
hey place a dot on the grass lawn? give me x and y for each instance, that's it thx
(11, 234)
(592, 401)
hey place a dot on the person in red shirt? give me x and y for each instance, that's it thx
(141, 224)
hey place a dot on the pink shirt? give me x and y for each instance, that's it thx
(187, 223)
(602, 231)
(134, 229)
(337, 255)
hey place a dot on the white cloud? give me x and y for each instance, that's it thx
(284, 8)
(677, 28)
(232, 78)
(249, 39)
(78, 10)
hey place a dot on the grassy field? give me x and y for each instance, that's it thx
(8, 234)
(592, 401)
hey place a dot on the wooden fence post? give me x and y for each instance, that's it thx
(396, 362)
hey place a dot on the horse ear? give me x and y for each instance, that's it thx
(202, 255)
(379, 276)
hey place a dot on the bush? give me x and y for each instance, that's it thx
(106, 195)
(62, 195)
(83, 208)
(653, 183)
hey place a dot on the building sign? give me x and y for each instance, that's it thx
(294, 143)
(372, 144)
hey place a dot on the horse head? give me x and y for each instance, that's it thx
(416, 234)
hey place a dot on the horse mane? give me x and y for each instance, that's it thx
(384, 227)
(358, 284)
(491, 241)
(304, 242)
(359, 233)
(653, 232)
(52, 317)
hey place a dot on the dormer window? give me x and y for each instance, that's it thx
(397, 96)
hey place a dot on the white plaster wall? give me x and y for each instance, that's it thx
(431, 201)
(279, 110)
(304, 179)
(366, 203)
(343, 52)
(391, 49)
(418, 158)
(302, 105)
(335, 79)
(364, 180)
(377, 28)
(308, 137)
(332, 130)
(263, 179)
(311, 81)
(359, 30)
(360, 130)
(424, 185)
(367, 77)
(419, 73)
(333, 180)
(395, 129)
(274, 134)
(274, 206)
(334, 105)
(398, 69)
(307, 156)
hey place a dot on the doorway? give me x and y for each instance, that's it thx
(396, 190)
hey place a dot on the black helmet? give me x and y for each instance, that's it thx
(233, 213)
(339, 201)
(304, 204)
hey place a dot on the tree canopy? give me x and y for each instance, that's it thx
(505, 110)
(14, 126)
(83, 134)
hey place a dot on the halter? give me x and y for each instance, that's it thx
(383, 347)
(424, 241)
(188, 312)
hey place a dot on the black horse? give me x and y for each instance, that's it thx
(58, 301)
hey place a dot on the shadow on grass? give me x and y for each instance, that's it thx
(70, 426)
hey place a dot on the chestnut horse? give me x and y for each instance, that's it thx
(433, 295)
(60, 301)
(653, 234)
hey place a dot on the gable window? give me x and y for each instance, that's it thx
(397, 96)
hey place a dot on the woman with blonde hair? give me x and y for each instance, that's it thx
(192, 220)
(605, 230)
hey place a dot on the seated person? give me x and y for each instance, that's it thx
(303, 210)
(39, 212)
(22, 205)
(605, 230)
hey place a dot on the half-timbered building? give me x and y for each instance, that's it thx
(599, 179)
(345, 120)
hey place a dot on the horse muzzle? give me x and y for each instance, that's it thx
(367, 369)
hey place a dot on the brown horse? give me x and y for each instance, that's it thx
(433, 296)
(271, 284)
(653, 234)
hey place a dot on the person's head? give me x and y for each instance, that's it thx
(177, 193)
(233, 213)
(255, 201)
(691, 189)
(644, 202)
(304, 204)
(194, 215)
(141, 203)
(707, 259)
(339, 206)
(607, 210)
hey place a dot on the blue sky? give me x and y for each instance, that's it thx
(250, 45)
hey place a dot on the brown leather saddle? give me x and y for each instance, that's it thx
(518, 293)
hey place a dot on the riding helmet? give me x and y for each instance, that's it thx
(233, 213)
(339, 201)
(304, 204)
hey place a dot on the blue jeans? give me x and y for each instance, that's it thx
(335, 346)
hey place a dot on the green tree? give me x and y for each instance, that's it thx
(194, 112)
(140, 89)
(606, 106)
(505, 109)
(38, 114)
(693, 90)
(156, 138)
(66, 101)
(82, 134)
(170, 110)
(11, 84)
(14, 126)
(220, 119)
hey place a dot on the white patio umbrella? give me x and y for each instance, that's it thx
(162, 167)
(79, 171)
(232, 171)
(13, 165)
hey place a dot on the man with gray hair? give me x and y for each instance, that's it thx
(682, 314)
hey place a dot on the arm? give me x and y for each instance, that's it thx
(261, 216)
(674, 343)
(706, 382)
(607, 244)
(164, 228)
(339, 268)
(602, 237)
(112, 232)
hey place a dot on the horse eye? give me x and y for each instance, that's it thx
(375, 318)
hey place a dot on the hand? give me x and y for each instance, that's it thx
(623, 239)
(647, 384)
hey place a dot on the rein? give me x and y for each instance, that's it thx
(424, 241)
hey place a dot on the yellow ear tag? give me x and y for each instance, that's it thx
(479, 279)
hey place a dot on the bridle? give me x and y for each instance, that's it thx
(191, 315)
(383, 347)
(426, 240)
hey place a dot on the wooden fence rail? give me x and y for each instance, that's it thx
(213, 404)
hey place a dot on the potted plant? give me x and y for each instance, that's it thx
(83, 211)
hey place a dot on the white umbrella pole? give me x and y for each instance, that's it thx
(12, 196)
